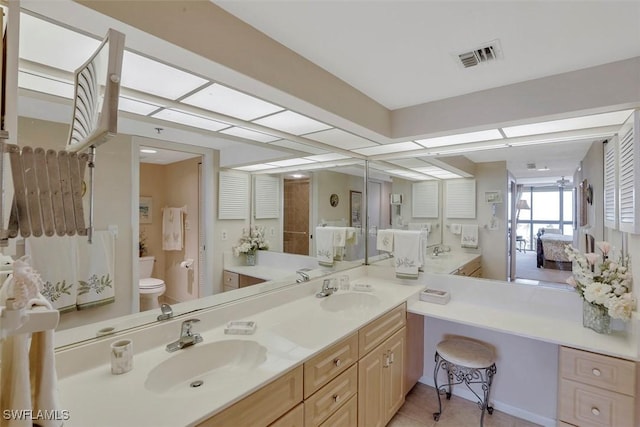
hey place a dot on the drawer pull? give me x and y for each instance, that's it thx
(336, 398)
(595, 411)
(596, 372)
(337, 362)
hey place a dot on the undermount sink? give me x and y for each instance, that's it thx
(222, 359)
(352, 302)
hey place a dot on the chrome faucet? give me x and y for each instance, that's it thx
(304, 276)
(187, 337)
(328, 288)
(167, 312)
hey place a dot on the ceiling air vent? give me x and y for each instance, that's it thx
(489, 52)
(531, 166)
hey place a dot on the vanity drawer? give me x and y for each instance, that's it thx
(329, 398)
(472, 268)
(587, 406)
(263, 406)
(597, 370)
(327, 365)
(382, 328)
(347, 416)
(229, 279)
(293, 418)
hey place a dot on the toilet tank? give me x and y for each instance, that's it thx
(145, 267)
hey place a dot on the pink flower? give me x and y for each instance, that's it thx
(604, 247)
(591, 258)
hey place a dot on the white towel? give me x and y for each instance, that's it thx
(409, 253)
(55, 258)
(455, 228)
(426, 226)
(352, 236)
(339, 237)
(469, 237)
(324, 246)
(96, 267)
(28, 380)
(172, 229)
(384, 240)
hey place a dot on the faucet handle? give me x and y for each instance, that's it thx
(167, 312)
(187, 325)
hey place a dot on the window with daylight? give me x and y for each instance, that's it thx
(550, 207)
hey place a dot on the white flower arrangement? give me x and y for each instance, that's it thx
(607, 284)
(251, 241)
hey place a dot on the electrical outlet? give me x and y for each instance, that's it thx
(272, 231)
(223, 234)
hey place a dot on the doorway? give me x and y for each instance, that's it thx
(296, 216)
(171, 189)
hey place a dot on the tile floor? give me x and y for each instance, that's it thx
(422, 402)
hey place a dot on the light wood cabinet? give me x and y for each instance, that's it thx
(331, 397)
(596, 390)
(414, 360)
(374, 333)
(293, 418)
(381, 381)
(471, 269)
(263, 406)
(231, 280)
(320, 369)
(347, 416)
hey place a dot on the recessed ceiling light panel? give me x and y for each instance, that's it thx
(389, 148)
(249, 134)
(593, 121)
(293, 123)
(187, 119)
(341, 139)
(224, 100)
(137, 107)
(462, 138)
(45, 85)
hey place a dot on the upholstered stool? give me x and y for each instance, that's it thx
(466, 361)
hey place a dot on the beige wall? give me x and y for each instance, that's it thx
(112, 207)
(152, 184)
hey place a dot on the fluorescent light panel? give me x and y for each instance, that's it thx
(253, 168)
(53, 45)
(249, 134)
(341, 139)
(224, 100)
(327, 157)
(293, 123)
(187, 119)
(388, 148)
(462, 138)
(137, 107)
(45, 85)
(576, 123)
(291, 162)
(146, 75)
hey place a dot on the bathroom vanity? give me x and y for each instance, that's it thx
(343, 359)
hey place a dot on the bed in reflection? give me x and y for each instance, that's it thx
(550, 246)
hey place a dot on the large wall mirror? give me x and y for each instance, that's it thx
(176, 140)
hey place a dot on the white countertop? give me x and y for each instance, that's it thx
(533, 312)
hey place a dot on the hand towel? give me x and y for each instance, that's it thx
(351, 236)
(339, 237)
(324, 246)
(55, 259)
(385, 240)
(455, 228)
(96, 267)
(42, 370)
(172, 229)
(469, 236)
(409, 253)
(426, 226)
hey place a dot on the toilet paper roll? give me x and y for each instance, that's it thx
(187, 263)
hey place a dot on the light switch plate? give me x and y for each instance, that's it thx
(223, 234)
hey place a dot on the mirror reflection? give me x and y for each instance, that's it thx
(137, 196)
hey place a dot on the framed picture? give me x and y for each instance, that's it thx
(493, 196)
(355, 207)
(146, 210)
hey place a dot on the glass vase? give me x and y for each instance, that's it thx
(251, 258)
(596, 317)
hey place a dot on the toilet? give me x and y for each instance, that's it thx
(150, 288)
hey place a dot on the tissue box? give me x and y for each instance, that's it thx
(435, 295)
(240, 327)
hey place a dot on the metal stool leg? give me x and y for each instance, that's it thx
(486, 388)
(440, 363)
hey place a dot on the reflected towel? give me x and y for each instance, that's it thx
(172, 229)
(469, 236)
(352, 236)
(339, 236)
(324, 246)
(409, 252)
(426, 226)
(55, 258)
(455, 228)
(384, 240)
(96, 267)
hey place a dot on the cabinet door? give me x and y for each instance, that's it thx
(393, 376)
(370, 389)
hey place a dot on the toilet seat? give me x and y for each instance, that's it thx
(151, 285)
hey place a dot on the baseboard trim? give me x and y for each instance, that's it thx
(500, 406)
